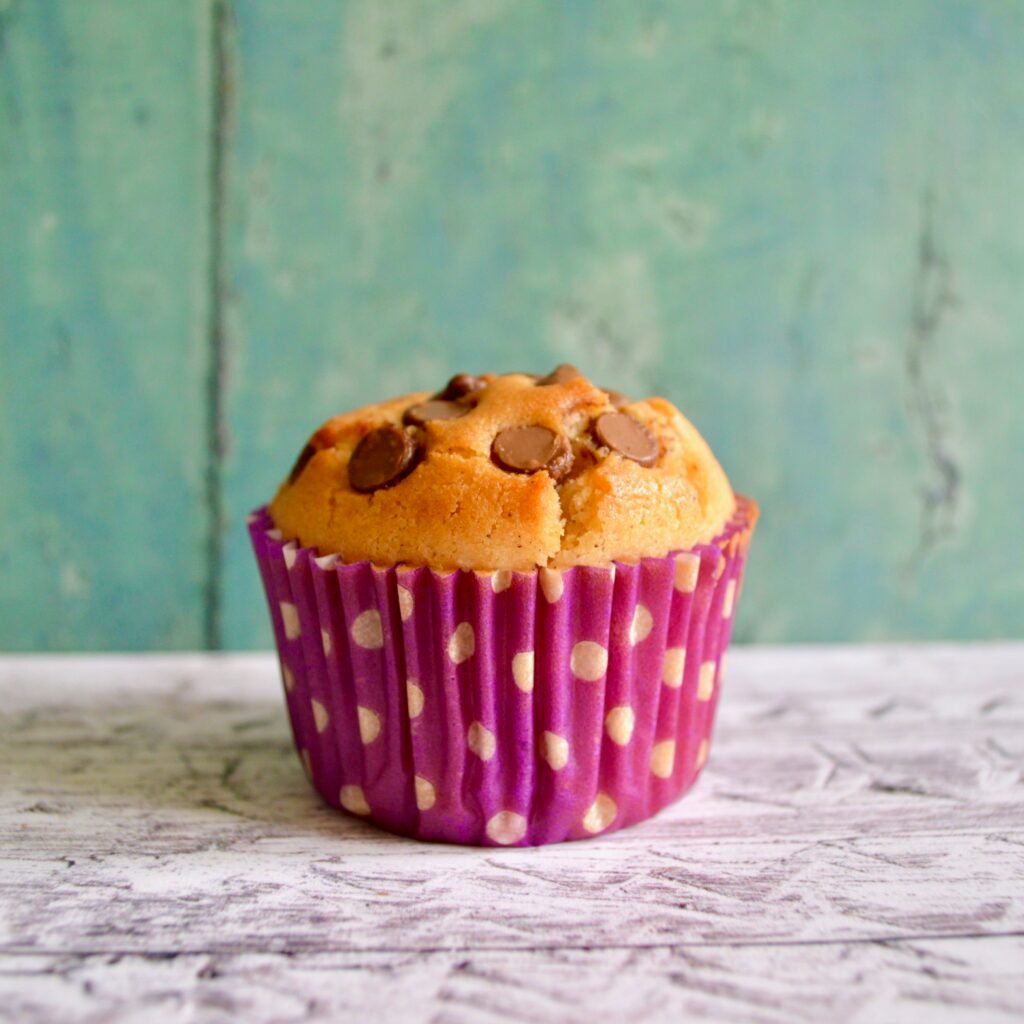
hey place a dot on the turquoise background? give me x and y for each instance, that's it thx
(221, 222)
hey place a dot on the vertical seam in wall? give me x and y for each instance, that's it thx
(216, 423)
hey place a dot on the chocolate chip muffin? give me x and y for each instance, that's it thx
(501, 609)
(505, 472)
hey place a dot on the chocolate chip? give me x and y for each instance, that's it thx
(616, 398)
(422, 413)
(627, 436)
(381, 459)
(301, 463)
(560, 375)
(528, 449)
(460, 388)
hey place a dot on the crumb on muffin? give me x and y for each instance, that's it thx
(505, 472)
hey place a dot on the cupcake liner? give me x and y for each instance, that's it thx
(503, 708)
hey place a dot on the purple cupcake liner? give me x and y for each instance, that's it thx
(503, 708)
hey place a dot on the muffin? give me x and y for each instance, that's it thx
(501, 608)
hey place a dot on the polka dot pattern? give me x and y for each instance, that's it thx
(641, 625)
(600, 814)
(321, 719)
(619, 724)
(369, 724)
(481, 741)
(414, 698)
(552, 585)
(599, 646)
(290, 620)
(506, 828)
(353, 799)
(367, 630)
(462, 645)
(663, 758)
(555, 750)
(706, 681)
(426, 795)
(687, 570)
(522, 670)
(702, 754)
(673, 667)
(288, 677)
(729, 599)
(589, 661)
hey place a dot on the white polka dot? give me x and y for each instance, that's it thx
(619, 724)
(290, 552)
(367, 630)
(326, 562)
(675, 663)
(640, 627)
(501, 580)
(288, 677)
(729, 599)
(414, 696)
(702, 754)
(251, 518)
(320, 717)
(405, 603)
(555, 750)
(506, 828)
(426, 795)
(274, 534)
(290, 618)
(353, 799)
(663, 758)
(307, 764)
(522, 670)
(462, 643)
(600, 814)
(325, 639)
(706, 681)
(589, 661)
(551, 584)
(687, 569)
(369, 724)
(481, 741)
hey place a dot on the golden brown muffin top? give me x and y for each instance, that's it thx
(505, 472)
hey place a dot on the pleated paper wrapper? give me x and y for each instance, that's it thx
(504, 708)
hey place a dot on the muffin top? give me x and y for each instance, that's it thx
(505, 472)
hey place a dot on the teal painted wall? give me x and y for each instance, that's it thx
(220, 222)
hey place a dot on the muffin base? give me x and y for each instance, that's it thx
(503, 708)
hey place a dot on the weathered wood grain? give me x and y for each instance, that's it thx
(103, 320)
(953, 979)
(801, 223)
(153, 806)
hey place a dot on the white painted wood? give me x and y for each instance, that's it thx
(906, 980)
(855, 849)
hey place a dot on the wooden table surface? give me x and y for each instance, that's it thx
(854, 851)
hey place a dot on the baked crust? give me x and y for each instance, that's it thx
(459, 508)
